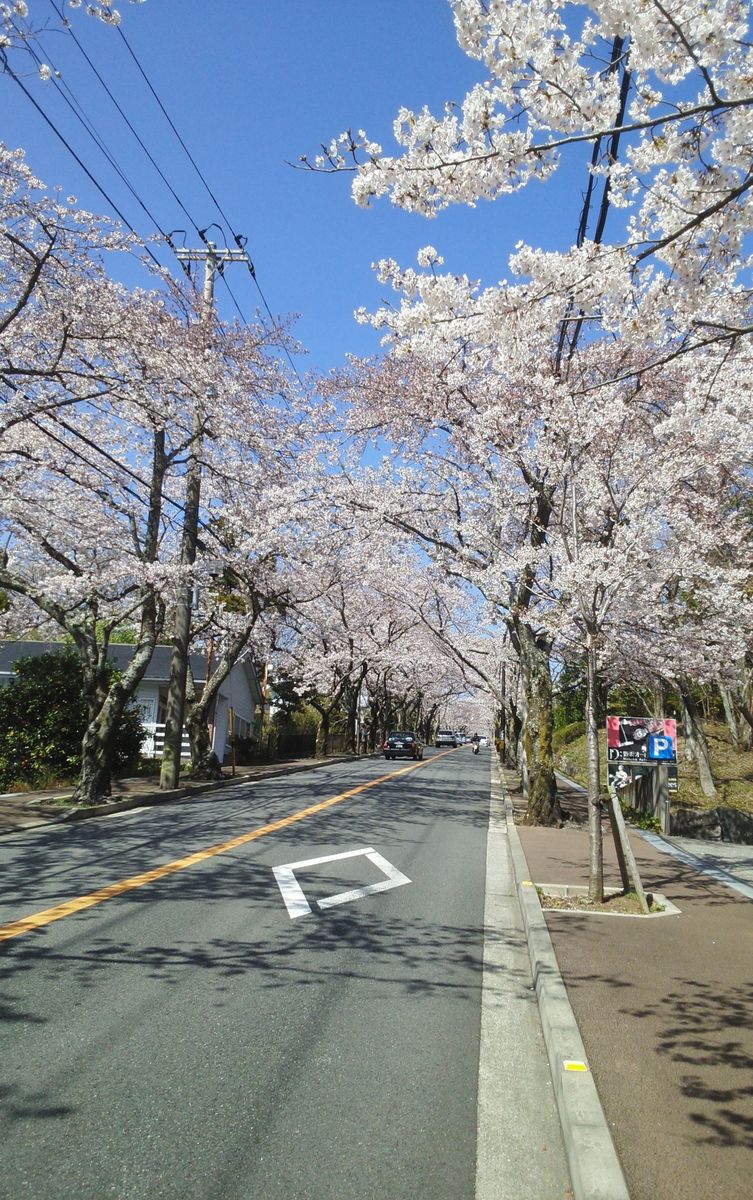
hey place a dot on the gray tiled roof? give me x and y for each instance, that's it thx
(119, 654)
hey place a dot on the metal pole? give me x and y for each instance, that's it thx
(176, 695)
(621, 841)
(212, 258)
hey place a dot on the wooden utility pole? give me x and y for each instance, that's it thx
(213, 259)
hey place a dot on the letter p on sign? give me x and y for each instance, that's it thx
(660, 746)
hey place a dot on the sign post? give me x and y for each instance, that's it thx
(625, 856)
(639, 747)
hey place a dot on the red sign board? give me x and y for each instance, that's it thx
(649, 740)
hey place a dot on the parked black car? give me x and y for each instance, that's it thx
(403, 744)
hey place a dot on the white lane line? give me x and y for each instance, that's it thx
(292, 892)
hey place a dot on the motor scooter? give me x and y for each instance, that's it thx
(476, 747)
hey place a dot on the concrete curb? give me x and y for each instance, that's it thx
(176, 795)
(595, 1169)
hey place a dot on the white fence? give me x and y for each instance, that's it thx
(153, 744)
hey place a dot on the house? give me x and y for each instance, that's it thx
(234, 708)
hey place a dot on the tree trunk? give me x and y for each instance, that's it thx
(353, 694)
(198, 710)
(323, 733)
(730, 715)
(198, 733)
(515, 740)
(204, 762)
(94, 780)
(595, 844)
(106, 706)
(657, 707)
(106, 698)
(745, 702)
(543, 804)
(697, 740)
(352, 728)
(512, 749)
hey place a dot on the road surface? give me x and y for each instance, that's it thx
(274, 992)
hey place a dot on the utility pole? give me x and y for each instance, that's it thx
(214, 259)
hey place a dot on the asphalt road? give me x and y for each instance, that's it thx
(223, 1031)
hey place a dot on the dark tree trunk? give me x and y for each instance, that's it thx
(514, 739)
(323, 733)
(95, 777)
(697, 740)
(746, 703)
(729, 714)
(197, 712)
(106, 706)
(538, 722)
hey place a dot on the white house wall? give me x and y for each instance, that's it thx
(147, 700)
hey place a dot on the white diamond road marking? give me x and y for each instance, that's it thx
(292, 892)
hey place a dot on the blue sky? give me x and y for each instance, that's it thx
(251, 85)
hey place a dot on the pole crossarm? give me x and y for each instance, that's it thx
(211, 252)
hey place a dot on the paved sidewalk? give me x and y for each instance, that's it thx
(725, 858)
(665, 1009)
(26, 810)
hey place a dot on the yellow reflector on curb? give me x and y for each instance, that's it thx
(526, 883)
(571, 1065)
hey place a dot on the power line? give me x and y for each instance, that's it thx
(73, 103)
(124, 116)
(239, 240)
(74, 155)
(80, 113)
(169, 120)
(91, 130)
(145, 149)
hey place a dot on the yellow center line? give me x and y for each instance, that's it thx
(79, 903)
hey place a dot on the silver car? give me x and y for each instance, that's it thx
(446, 737)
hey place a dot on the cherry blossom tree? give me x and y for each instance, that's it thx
(644, 576)
(476, 493)
(106, 393)
(636, 493)
(358, 647)
(491, 388)
(267, 560)
(654, 100)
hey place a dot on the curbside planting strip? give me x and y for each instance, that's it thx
(595, 1169)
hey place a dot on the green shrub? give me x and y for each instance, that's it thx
(43, 720)
(641, 820)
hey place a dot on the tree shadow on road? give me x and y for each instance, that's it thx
(39, 869)
(707, 1028)
(18, 1104)
(416, 957)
